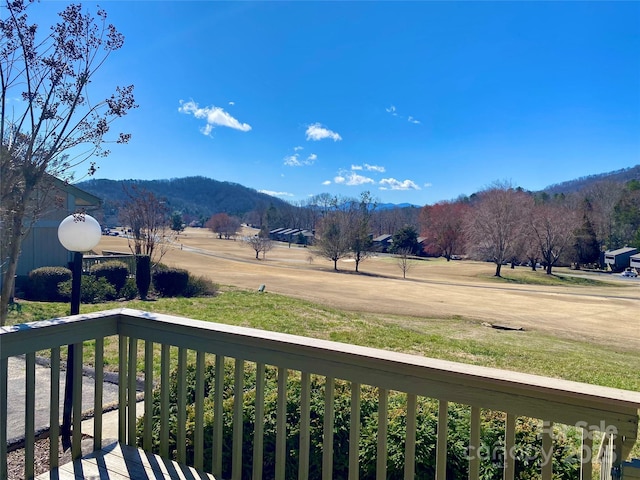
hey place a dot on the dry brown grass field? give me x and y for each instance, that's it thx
(434, 288)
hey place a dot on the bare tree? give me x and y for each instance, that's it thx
(147, 218)
(442, 226)
(224, 225)
(361, 243)
(332, 241)
(322, 204)
(527, 248)
(496, 222)
(553, 226)
(46, 114)
(267, 245)
(259, 244)
(335, 230)
(603, 198)
(404, 261)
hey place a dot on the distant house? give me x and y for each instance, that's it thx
(634, 262)
(309, 237)
(619, 259)
(382, 243)
(41, 247)
(292, 235)
(273, 234)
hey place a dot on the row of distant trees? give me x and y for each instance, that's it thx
(501, 224)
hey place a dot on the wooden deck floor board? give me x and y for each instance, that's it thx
(121, 462)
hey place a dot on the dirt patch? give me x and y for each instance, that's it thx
(434, 288)
(15, 459)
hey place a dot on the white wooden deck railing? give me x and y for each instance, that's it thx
(591, 407)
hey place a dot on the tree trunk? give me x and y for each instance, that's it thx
(549, 267)
(335, 265)
(498, 267)
(8, 280)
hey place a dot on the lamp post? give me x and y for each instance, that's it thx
(77, 233)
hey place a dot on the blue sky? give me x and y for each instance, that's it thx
(416, 102)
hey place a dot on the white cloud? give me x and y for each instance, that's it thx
(393, 111)
(427, 185)
(393, 184)
(214, 116)
(296, 149)
(292, 160)
(368, 168)
(355, 179)
(276, 194)
(374, 168)
(326, 182)
(295, 160)
(232, 103)
(318, 132)
(352, 179)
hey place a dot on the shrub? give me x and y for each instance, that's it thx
(200, 287)
(115, 271)
(565, 465)
(43, 283)
(129, 291)
(92, 290)
(143, 275)
(170, 282)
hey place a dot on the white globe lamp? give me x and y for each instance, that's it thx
(77, 233)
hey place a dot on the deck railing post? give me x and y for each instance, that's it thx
(381, 454)
(281, 425)
(509, 446)
(586, 457)
(327, 430)
(474, 444)
(441, 446)
(54, 411)
(305, 439)
(4, 371)
(258, 432)
(238, 405)
(354, 433)
(76, 441)
(410, 440)
(547, 450)
(122, 389)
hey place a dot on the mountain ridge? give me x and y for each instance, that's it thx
(198, 197)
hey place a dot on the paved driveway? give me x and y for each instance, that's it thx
(16, 396)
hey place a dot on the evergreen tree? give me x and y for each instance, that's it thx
(586, 244)
(406, 239)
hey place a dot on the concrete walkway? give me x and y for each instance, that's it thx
(16, 401)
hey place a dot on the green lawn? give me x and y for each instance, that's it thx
(457, 339)
(539, 277)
